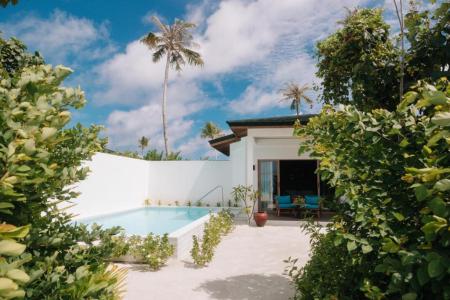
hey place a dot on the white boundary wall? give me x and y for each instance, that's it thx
(115, 183)
(119, 183)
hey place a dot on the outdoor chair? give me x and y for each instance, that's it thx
(312, 203)
(284, 203)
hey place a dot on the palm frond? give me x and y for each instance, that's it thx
(158, 54)
(151, 40)
(163, 27)
(193, 57)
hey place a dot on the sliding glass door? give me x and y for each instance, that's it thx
(268, 182)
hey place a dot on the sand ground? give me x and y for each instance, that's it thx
(248, 264)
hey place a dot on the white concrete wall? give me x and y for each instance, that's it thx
(115, 183)
(238, 163)
(119, 183)
(183, 181)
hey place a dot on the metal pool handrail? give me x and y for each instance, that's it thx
(212, 190)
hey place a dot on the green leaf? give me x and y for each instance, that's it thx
(48, 132)
(11, 248)
(441, 119)
(366, 249)
(422, 275)
(18, 275)
(421, 192)
(442, 185)
(390, 246)
(7, 284)
(438, 207)
(351, 245)
(435, 268)
(409, 296)
(398, 216)
(6, 205)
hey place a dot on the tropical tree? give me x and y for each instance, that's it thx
(210, 131)
(295, 93)
(174, 42)
(143, 143)
(153, 155)
(4, 3)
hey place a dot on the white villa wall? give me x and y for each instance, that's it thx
(115, 183)
(238, 163)
(183, 181)
(118, 183)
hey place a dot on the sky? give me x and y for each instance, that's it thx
(251, 49)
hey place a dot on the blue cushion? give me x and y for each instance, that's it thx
(286, 205)
(310, 199)
(284, 199)
(312, 206)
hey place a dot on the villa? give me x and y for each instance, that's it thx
(262, 153)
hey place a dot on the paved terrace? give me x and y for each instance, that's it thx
(248, 264)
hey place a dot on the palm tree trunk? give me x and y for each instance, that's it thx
(297, 108)
(164, 101)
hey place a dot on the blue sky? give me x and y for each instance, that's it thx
(250, 48)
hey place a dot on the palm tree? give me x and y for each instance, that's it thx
(172, 42)
(153, 155)
(210, 131)
(143, 143)
(295, 93)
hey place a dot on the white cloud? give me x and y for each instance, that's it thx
(126, 126)
(62, 38)
(267, 42)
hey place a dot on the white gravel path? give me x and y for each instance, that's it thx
(248, 264)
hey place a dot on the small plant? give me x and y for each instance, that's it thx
(189, 203)
(177, 203)
(121, 245)
(198, 203)
(202, 251)
(207, 205)
(229, 203)
(154, 250)
(159, 202)
(147, 202)
(218, 204)
(247, 196)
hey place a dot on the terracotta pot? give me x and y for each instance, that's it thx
(260, 218)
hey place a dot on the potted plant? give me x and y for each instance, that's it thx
(250, 197)
(261, 215)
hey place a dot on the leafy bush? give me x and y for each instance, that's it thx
(154, 250)
(202, 251)
(12, 274)
(391, 168)
(40, 158)
(328, 274)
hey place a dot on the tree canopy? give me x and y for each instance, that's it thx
(359, 64)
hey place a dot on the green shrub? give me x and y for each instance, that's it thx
(392, 170)
(202, 251)
(328, 274)
(154, 250)
(40, 159)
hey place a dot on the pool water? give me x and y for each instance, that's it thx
(158, 220)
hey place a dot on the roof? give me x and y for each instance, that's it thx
(222, 143)
(239, 129)
(273, 121)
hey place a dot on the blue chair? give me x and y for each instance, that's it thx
(284, 203)
(312, 203)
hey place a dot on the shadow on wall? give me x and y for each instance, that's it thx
(249, 286)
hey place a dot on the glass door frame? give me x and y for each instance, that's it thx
(277, 161)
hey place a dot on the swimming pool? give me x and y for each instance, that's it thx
(158, 220)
